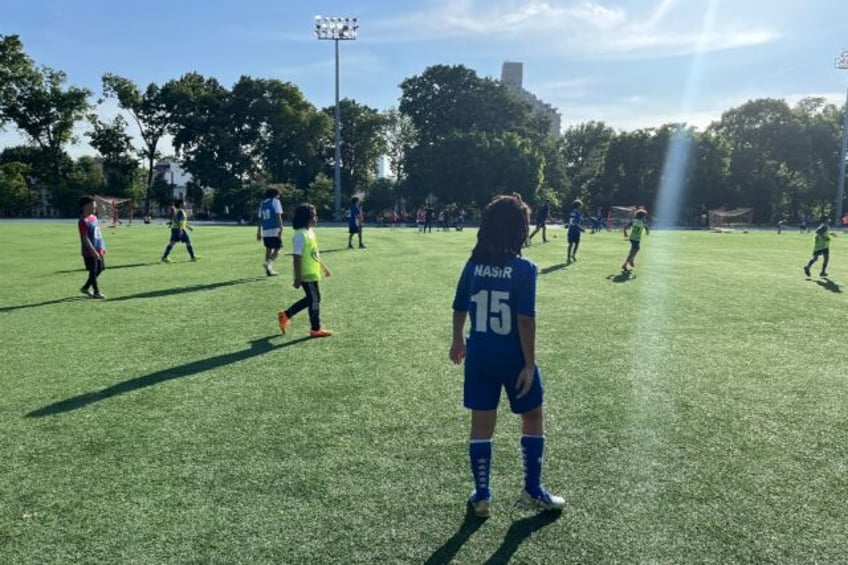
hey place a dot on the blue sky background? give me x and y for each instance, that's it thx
(631, 63)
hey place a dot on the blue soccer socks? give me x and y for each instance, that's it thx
(480, 454)
(532, 451)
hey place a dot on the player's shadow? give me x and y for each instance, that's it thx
(553, 268)
(45, 303)
(520, 531)
(446, 553)
(621, 277)
(257, 347)
(828, 284)
(185, 289)
(149, 294)
(108, 267)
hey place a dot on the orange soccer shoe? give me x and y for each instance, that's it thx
(320, 333)
(283, 320)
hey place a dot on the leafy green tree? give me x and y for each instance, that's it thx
(362, 144)
(150, 112)
(38, 104)
(15, 194)
(445, 99)
(469, 168)
(399, 135)
(120, 167)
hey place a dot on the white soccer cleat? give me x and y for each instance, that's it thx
(482, 507)
(544, 502)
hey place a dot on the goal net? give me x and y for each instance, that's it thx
(113, 209)
(620, 216)
(722, 221)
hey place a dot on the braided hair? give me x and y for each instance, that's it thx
(504, 228)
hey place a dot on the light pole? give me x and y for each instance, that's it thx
(337, 29)
(842, 63)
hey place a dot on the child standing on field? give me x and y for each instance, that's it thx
(308, 269)
(179, 231)
(636, 227)
(355, 222)
(93, 246)
(270, 228)
(575, 228)
(821, 246)
(498, 289)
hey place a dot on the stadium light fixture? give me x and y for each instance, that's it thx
(337, 29)
(842, 63)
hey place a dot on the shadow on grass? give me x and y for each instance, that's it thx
(186, 289)
(45, 303)
(109, 267)
(520, 531)
(621, 277)
(150, 294)
(828, 284)
(257, 347)
(449, 549)
(553, 268)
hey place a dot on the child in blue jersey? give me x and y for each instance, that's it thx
(541, 222)
(270, 228)
(93, 246)
(575, 228)
(179, 231)
(497, 289)
(634, 231)
(355, 221)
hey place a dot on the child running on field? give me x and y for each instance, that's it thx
(93, 246)
(270, 228)
(308, 269)
(575, 228)
(636, 226)
(821, 246)
(498, 289)
(179, 231)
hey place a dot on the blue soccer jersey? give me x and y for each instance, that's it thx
(575, 220)
(353, 217)
(268, 211)
(89, 227)
(494, 297)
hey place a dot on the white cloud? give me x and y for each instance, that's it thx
(581, 28)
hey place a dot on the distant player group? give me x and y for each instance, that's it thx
(496, 291)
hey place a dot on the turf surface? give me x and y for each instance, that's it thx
(695, 410)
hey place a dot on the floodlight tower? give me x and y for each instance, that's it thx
(337, 29)
(842, 63)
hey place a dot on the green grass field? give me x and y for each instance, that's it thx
(696, 412)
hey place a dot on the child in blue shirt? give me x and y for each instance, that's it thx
(497, 289)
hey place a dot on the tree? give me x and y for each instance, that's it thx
(114, 145)
(469, 168)
(444, 99)
(361, 143)
(150, 113)
(38, 104)
(15, 193)
(399, 135)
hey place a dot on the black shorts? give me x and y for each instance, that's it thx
(540, 222)
(573, 236)
(634, 244)
(272, 242)
(92, 265)
(825, 252)
(353, 229)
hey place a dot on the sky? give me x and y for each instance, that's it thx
(629, 63)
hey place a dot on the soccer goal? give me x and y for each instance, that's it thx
(111, 209)
(620, 216)
(726, 221)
